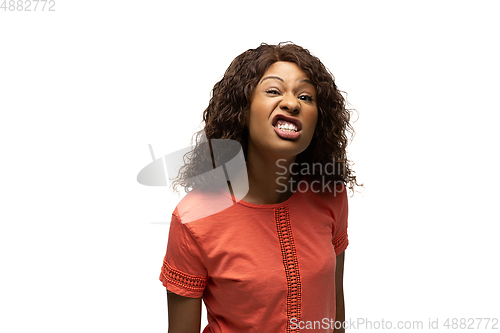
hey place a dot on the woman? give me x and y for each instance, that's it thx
(272, 259)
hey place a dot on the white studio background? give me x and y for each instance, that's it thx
(86, 88)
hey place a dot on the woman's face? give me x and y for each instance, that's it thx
(283, 112)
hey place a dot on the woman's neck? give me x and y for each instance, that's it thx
(268, 179)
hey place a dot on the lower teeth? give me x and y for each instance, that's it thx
(286, 130)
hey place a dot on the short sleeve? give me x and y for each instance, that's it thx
(340, 240)
(183, 271)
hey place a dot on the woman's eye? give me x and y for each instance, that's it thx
(272, 91)
(306, 98)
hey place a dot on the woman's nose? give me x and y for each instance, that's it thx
(290, 103)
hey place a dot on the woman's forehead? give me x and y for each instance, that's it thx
(288, 72)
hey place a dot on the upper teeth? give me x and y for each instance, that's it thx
(286, 126)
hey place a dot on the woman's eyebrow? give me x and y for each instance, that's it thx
(272, 77)
(280, 79)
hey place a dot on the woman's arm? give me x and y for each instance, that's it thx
(184, 314)
(339, 292)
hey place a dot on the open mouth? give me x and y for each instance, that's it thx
(287, 127)
(286, 123)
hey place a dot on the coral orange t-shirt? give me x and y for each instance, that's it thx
(259, 268)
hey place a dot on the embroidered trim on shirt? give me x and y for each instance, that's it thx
(291, 263)
(339, 241)
(183, 280)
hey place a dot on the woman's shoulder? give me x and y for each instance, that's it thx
(199, 204)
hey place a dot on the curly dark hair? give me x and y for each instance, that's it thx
(224, 117)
